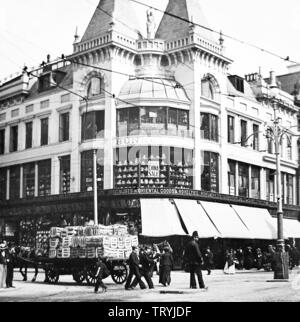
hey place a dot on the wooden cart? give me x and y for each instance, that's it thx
(82, 269)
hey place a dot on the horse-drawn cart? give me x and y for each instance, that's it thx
(82, 269)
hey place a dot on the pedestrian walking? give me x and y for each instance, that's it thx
(3, 265)
(209, 260)
(166, 266)
(134, 269)
(146, 263)
(102, 273)
(240, 258)
(259, 259)
(194, 260)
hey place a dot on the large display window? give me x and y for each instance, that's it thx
(151, 120)
(93, 125)
(270, 178)
(153, 167)
(243, 180)
(28, 180)
(44, 178)
(255, 182)
(87, 178)
(210, 172)
(231, 177)
(65, 174)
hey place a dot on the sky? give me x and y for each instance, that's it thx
(31, 29)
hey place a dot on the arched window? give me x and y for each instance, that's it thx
(207, 89)
(95, 87)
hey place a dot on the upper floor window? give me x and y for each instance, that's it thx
(255, 143)
(28, 180)
(44, 178)
(95, 87)
(207, 89)
(28, 135)
(2, 141)
(13, 146)
(209, 127)
(64, 124)
(244, 133)
(93, 124)
(243, 180)
(44, 131)
(230, 122)
(289, 148)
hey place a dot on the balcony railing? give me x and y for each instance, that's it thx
(181, 133)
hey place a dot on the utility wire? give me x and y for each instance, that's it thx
(217, 32)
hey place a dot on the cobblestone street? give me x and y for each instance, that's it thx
(245, 286)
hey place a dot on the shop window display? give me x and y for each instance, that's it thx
(290, 189)
(28, 180)
(65, 174)
(87, 178)
(210, 172)
(153, 167)
(44, 178)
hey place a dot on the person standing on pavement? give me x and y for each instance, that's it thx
(102, 273)
(166, 266)
(134, 269)
(194, 260)
(146, 262)
(209, 260)
(10, 260)
(3, 266)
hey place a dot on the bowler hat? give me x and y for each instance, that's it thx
(195, 234)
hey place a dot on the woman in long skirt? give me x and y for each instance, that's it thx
(3, 267)
(230, 263)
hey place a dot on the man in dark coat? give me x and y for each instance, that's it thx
(146, 262)
(194, 260)
(10, 259)
(102, 273)
(134, 270)
(166, 266)
(209, 260)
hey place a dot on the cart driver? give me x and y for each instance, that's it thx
(101, 274)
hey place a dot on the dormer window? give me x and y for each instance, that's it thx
(95, 87)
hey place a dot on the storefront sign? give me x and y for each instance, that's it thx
(153, 169)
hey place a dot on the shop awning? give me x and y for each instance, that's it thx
(226, 220)
(195, 218)
(258, 221)
(160, 218)
(291, 228)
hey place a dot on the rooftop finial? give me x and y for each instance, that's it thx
(76, 37)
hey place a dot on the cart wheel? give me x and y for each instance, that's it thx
(91, 275)
(79, 276)
(119, 274)
(52, 275)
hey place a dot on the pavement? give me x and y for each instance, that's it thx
(244, 286)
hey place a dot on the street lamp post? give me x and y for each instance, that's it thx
(281, 258)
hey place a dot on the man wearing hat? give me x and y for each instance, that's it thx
(3, 265)
(194, 260)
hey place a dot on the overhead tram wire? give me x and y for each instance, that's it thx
(287, 58)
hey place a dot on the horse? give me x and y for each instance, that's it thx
(26, 258)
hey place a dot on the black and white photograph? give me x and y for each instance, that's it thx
(149, 153)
